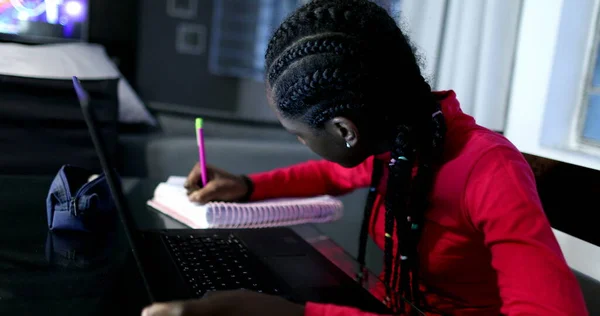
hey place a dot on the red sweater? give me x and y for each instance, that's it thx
(487, 247)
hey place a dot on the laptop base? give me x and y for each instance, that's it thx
(277, 257)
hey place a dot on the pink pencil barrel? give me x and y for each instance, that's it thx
(202, 156)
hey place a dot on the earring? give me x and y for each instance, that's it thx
(347, 145)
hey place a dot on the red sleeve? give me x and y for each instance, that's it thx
(502, 201)
(315, 309)
(311, 178)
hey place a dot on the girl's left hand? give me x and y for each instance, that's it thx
(229, 303)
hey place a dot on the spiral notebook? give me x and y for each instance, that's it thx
(170, 198)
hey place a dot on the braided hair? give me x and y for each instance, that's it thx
(349, 58)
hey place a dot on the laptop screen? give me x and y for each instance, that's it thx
(42, 21)
(112, 178)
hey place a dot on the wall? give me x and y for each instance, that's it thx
(118, 36)
(423, 21)
(477, 54)
(530, 94)
(537, 48)
(569, 71)
(167, 75)
(252, 101)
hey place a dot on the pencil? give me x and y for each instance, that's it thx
(201, 154)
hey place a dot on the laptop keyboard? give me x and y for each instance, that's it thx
(216, 263)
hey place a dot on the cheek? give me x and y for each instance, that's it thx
(323, 148)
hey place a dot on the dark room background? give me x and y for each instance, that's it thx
(194, 55)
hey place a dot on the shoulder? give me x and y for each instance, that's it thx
(489, 160)
(479, 164)
(490, 153)
(500, 184)
(474, 151)
(470, 145)
(466, 142)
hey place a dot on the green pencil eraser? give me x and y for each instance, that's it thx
(198, 123)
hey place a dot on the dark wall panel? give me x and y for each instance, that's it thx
(114, 24)
(172, 74)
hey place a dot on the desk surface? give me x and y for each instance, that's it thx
(96, 275)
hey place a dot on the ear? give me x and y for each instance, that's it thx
(344, 129)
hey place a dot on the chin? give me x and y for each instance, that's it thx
(345, 160)
(349, 163)
(342, 162)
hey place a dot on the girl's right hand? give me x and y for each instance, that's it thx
(221, 186)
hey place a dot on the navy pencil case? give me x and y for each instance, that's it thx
(76, 204)
(68, 249)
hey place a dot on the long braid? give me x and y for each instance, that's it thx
(430, 150)
(349, 58)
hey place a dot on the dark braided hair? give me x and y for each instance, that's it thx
(349, 58)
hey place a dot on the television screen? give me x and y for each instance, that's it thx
(43, 20)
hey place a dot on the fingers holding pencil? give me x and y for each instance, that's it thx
(221, 185)
(194, 179)
(205, 184)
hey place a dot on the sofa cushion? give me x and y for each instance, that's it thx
(234, 155)
(591, 292)
(42, 126)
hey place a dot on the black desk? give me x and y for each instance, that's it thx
(37, 277)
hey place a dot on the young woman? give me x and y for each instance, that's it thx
(453, 205)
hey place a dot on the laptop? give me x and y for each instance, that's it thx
(186, 264)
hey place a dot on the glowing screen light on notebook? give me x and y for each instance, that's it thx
(44, 20)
